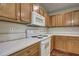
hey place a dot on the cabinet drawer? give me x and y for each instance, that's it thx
(28, 51)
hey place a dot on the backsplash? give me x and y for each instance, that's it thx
(13, 31)
(64, 30)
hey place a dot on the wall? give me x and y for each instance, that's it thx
(13, 31)
(64, 30)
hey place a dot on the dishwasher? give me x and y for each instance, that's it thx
(45, 47)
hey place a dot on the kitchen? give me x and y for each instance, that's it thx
(39, 29)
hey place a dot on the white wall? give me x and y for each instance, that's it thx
(64, 30)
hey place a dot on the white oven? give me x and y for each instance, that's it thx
(37, 19)
(45, 47)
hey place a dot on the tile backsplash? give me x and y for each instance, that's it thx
(64, 30)
(13, 31)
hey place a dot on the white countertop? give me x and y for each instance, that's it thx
(76, 35)
(7, 48)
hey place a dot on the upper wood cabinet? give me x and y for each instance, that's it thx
(75, 19)
(26, 11)
(59, 20)
(47, 20)
(67, 19)
(53, 20)
(41, 11)
(8, 10)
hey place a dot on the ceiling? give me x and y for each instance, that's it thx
(56, 7)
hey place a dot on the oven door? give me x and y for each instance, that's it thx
(45, 47)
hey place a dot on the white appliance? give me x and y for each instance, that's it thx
(37, 19)
(45, 47)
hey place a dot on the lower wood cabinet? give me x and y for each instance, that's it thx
(33, 50)
(67, 44)
(73, 45)
(60, 43)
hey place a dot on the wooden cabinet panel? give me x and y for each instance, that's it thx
(52, 42)
(67, 44)
(61, 43)
(26, 10)
(8, 10)
(75, 18)
(59, 20)
(67, 19)
(33, 50)
(53, 18)
(73, 45)
(47, 20)
(41, 11)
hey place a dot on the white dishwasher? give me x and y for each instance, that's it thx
(45, 47)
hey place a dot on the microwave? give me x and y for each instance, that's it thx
(37, 19)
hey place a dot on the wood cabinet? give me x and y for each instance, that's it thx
(33, 50)
(75, 16)
(48, 22)
(67, 19)
(53, 20)
(8, 10)
(41, 11)
(16, 12)
(52, 42)
(73, 45)
(67, 44)
(60, 43)
(59, 20)
(26, 11)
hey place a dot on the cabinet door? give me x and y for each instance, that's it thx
(47, 20)
(60, 43)
(26, 11)
(73, 46)
(67, 19)
(8, 10)
(33, 50)
(75, 18)
(53, 18)
(41, 11)
(59, 20)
